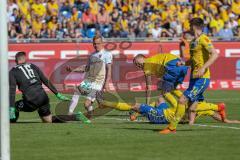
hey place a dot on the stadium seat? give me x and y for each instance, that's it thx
(91, 32)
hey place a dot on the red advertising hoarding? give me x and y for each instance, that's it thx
(52, 58)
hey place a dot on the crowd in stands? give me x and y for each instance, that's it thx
(43, 19)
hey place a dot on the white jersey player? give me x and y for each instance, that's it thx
(97, 76)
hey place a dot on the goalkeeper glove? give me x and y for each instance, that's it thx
(12, 111)
(62, 97)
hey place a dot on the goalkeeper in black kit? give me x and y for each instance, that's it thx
(29, 78)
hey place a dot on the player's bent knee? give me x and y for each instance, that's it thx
(87, 103)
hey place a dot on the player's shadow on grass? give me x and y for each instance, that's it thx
(157, 130)
(117, 115)
(33, 122)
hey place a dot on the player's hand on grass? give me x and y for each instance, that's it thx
(62, 97)
(12, 114)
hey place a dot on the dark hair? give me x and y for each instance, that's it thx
(18, 55)
(198, 22)
(97, 36)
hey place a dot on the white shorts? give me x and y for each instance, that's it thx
(91, 89)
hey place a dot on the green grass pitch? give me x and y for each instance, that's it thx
(112, 137)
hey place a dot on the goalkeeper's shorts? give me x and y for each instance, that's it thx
(38, 101)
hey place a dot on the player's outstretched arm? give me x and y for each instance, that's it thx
(217, 117)
(80, 69)
(231, 121)
(49, 84)
(184, 49)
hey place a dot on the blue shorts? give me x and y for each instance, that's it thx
(154, 114)
(196, 88)
(173, 76)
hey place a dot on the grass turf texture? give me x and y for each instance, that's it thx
(113, 137)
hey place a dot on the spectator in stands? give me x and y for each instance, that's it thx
(109, 6)
(52, 8)
(44, 31)
(238, 31)
(156, 31)
(124, 25)
(88, 19)
(12, 30)
(24, 26)
(37, 26)
(12, 6)
(217, 22)
(226, 33)
(232, 23)
(141, 29)
(236, 7)
(38, 8)
(94, 7)
(53, 23)
(103, 21)
(118, 18)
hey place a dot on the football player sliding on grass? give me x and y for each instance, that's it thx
(163, 113)
(164, 66)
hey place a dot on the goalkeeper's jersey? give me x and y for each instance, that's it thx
(29, 78)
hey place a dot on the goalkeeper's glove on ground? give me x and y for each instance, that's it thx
(12, 111)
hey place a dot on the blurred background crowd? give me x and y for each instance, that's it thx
(43, 19)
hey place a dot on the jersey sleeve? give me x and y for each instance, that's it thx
(108, 58)
(12, 88)
(44, 80)
(147, 69)
(206, 43)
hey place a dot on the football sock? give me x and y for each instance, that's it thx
(177, 93)
(178, 116)
(117, 105)
(205, 113)
(204, 106)
(171, 99)
(63, 118)
(73, 103)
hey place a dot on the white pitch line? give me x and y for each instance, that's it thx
(120, 119)
(214, 126)
(201, 125)
(30, 120)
